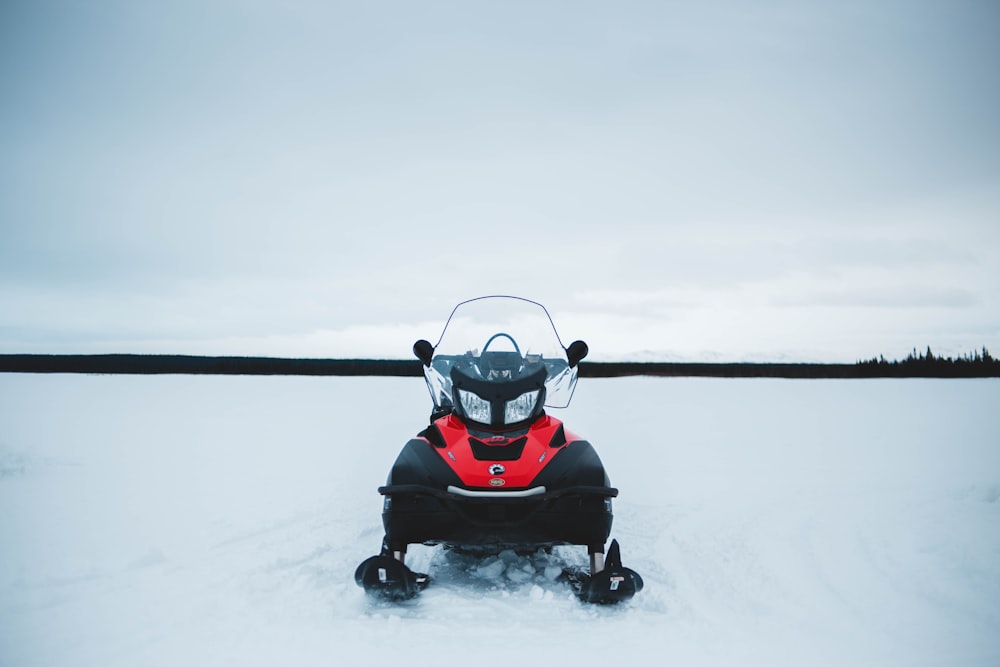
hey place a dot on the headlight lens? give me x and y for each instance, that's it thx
(520, 408)
(516, 410)
(474, 407)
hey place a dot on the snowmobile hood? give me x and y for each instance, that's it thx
(507, 461)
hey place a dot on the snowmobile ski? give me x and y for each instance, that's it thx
(388, 578)
(614, 584)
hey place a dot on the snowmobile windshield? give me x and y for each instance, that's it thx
(500, 359)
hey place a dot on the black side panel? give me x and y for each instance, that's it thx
(575, 465)
(418, 463)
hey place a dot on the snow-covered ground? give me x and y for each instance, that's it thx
(218, 521)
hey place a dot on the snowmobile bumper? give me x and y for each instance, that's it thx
(483, 520)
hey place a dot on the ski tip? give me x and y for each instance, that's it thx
(386, 578)
(613, 558)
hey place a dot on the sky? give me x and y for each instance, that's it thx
(727, 181)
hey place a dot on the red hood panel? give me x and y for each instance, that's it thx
(499, 475)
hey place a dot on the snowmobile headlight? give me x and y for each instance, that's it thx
(520, 408)
(474, 407)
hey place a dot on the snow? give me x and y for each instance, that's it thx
(174, 520)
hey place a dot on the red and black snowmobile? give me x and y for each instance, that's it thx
(493, 471)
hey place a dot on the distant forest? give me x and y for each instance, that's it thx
(976, 364)
(926, 364)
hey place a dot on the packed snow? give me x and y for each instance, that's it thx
(174, 520)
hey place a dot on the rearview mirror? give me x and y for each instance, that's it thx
(576, 351)
(424, 351)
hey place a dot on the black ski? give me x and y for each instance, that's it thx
(385, 577)
(615, 583)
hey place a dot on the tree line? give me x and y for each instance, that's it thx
(927, 364)
(979, 363)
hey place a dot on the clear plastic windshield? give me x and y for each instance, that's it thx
(512, 325)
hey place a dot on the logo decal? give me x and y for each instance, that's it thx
(497, 469)
(496, 481)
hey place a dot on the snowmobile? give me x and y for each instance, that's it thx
(492, 471)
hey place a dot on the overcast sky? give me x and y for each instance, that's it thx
(703, 180)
